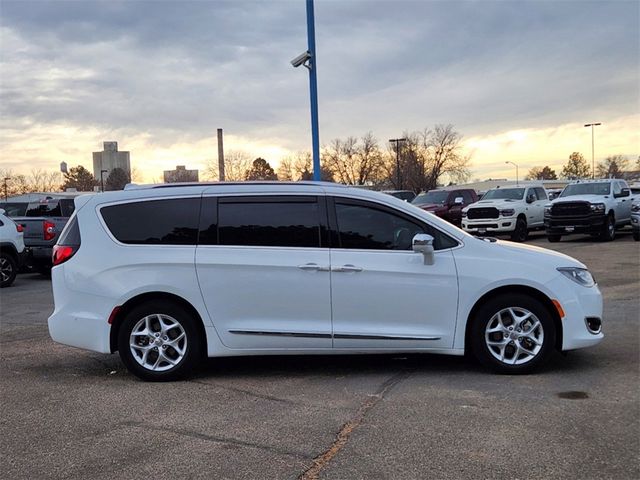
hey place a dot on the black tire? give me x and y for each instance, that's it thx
(608, 232)
(193, 346)
(478, 336)
(636, 235)
(521, 232)
(8, 269)
(554, 238)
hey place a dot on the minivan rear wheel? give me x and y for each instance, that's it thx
(512, 334)
(158, 341)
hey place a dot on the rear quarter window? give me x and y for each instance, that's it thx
(154, 222)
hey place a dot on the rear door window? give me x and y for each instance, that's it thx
(270, 221)
(155, 222)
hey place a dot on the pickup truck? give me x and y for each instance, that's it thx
(508, 210)
(42, 224)
(596, 207)
(447, 204)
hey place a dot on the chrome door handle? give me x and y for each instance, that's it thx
(313, 267)
(346, 268)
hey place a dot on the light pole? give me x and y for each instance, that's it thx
(5, 188)
(515, 165)
(593, 157)
(397, 142)
(308, 59)
(102, 172)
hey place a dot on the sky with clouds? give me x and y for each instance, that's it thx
(517, 78)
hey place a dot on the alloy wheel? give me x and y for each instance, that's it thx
(6, 269)
(158, 342)
(514, 336)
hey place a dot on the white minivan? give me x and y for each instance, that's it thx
(167, 274)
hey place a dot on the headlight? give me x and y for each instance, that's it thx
(635, 207)
(578, 275)
(507, 212)
(547, 210)
(464, 214)
(597, 207)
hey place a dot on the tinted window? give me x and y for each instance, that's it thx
(434, 196)
(67, 207)
(166, 222)
(71, 233)
(542, 195)
(468, 198)
(44, 209)
(505, 193)
(372, 228)
(14, 209)
(600, 188)
(275, 222)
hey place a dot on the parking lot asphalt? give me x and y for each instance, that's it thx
(68, 413)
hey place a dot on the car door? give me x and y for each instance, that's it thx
(623, 204)
(263, 267)
(541, 200)
(383, 295)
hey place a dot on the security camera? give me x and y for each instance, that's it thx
(301, 59)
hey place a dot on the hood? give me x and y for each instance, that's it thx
(530, 253)
(431, 206)
(582, 198)
(497, 203)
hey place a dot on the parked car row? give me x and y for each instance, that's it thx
(595, 207)
(41, 223)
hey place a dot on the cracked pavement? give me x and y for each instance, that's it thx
(72, 414)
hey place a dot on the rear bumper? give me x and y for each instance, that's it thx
(38, 255)
(567, 225)
(79, 320)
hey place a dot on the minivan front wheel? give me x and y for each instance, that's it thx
(512, 334)
(158, 341)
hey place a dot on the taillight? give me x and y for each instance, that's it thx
(19, 228)
(62, 253)
(49, 230)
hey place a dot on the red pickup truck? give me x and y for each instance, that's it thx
(447, 204)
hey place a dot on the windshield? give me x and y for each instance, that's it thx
(504, 193)
(434, 196)
(586, 189)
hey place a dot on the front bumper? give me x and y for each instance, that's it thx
(578, 303)
(489, 225)
(635, 221)
(577, 224)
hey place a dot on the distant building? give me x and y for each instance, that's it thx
(180, 174)
(109, 159)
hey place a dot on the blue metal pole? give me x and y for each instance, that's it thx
(313, 91)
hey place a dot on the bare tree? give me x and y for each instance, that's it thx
(541, 173)
(236, 165)
(425, 157)
(612, 167)
(354, 161)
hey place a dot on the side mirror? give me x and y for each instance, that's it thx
(531, 198)
(423, 243)
(625, 192)
(458, 201)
